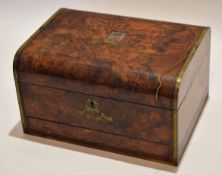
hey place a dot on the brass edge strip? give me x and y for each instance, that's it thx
(178, 82)
(15, 64)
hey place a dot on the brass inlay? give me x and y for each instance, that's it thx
(114, 39)
(92, 111)
(116, 36)
(189, 57)
(16, 75)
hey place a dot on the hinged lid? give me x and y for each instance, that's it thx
(134, 55)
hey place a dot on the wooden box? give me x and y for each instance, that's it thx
(126, 85)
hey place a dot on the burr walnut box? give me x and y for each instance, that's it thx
(121, 84)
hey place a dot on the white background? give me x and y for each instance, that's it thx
(22, 154)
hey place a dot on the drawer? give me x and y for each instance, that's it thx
(98, 113)
(97, 139)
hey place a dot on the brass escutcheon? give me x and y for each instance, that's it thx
(92, 111)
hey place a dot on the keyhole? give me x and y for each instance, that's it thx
(92, 104)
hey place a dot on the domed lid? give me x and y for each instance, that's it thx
(135, 55)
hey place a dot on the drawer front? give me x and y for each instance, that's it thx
(98, 113)
(101, 140)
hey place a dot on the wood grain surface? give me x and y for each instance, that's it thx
(111, 82)
(148, 59)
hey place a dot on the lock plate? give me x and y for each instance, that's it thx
(93, 111)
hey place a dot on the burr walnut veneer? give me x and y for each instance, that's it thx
(127, 85)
